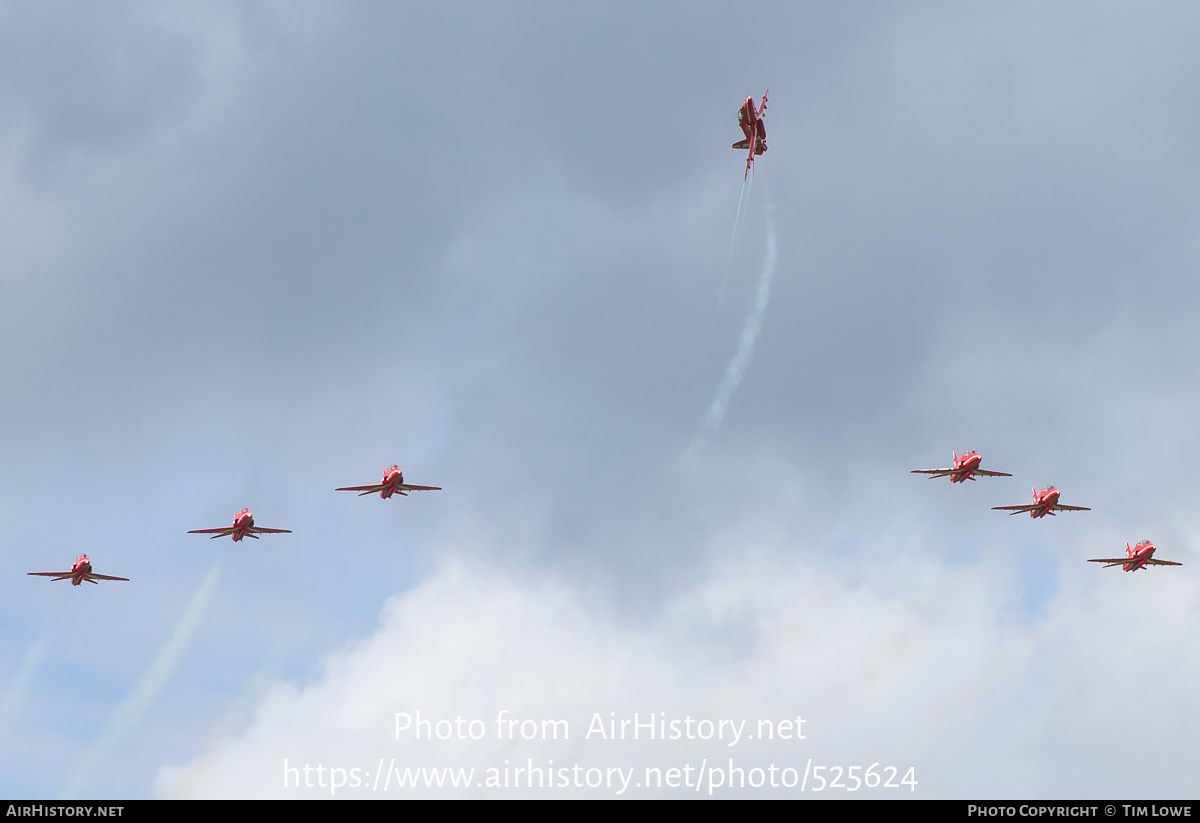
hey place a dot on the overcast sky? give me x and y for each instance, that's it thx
(250, 253)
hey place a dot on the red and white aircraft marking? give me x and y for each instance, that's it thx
(393, 483)
(964, 468)
(243, 526)
(755, 130)
(80, 571)
(1139, 557)
(1045, 502)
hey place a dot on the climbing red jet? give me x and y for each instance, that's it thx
(1139, 557)
(964, 468)
(393, 483)
(755, 130)
(243, 526)
(80, 571)
(1045, 502)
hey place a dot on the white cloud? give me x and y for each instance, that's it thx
(913, 666)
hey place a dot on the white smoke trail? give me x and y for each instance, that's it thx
(744, 197)
(754, 321)
(15, 695)
(128, 713)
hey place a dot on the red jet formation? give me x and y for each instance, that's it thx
(80, 571)
(1044, 503)
(393, 483)
(243, 526)
(755, 130)
(964, 468)
(1139, 557)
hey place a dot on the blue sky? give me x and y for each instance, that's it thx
(249, 254)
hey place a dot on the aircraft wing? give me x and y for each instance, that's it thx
(1153, 562)
(55, 575)
(1058, 507)
(95, 577)
(933, 472)
(1113, 561)
(258, 530)
(986, 473)
(409, 488)
(1028, 507)
(214, 532)
(361, 489)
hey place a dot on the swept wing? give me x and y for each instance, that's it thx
(1028, 507)
(934, 472)
(378, 487)
(214, 532)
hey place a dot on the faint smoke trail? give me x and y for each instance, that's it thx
(900, 645)
(129, 712)
(15, 695)
(737, 366)
(178, 782)
(973, 692)
(743, 197)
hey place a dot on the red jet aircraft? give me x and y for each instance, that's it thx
(1045, 502)
(393, 483)
(1139, 557)
(755, 130)
(80, 571)
(964, 468)
(243, 526)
